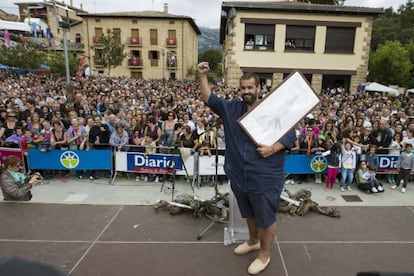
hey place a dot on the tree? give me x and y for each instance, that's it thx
(214, 58)
(394, 25)
(410, 49)
(25, 56)
(385, 28)
(112, 54)
(56, 61)
(390, 64)
(406, 22)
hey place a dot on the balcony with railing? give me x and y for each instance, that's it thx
(171, 42)
(75, 46)
(98, 62)
(171, 63)
(97, 40)
(134, 41)
(135, 62)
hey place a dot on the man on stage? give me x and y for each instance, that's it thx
(256, 173)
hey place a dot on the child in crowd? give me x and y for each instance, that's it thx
(150, 148)
(395, 150)
(334, 160)
(366, 179)
(405, 166)
(207, 141)
(348, 166)
(319, 150)
(371, 157)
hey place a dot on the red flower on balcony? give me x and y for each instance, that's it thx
(134, 40)
(171, 41)
(133, 61)
(97, 39)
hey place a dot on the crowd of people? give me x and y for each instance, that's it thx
(132, 114)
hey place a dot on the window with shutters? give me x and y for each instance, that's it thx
(154, 56)
(117, 35)
(340, 40)
(300, 38)
(153, 37)
(259, 36)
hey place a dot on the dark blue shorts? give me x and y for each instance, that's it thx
(261, 206)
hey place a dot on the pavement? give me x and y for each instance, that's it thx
(87, 228)
(127, 191)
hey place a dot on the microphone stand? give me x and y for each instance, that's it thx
(215, 219)
(176, 151)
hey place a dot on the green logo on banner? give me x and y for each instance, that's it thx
(318, 163)
(69, 159)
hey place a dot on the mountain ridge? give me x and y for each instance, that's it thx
(209, 39)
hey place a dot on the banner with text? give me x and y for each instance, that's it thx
(70, 159)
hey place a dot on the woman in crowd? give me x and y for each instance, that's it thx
(188, 139)
(153, 130)
(9, 128)
(35, 124)
(14, 185)
(58, 140)
(168, 129)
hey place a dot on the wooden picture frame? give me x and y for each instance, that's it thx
(280, 110)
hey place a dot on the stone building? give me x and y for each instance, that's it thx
(46, 19)
(158, 45)
(329, 44)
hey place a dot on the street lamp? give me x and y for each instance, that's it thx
(163, 62)
(163, 70)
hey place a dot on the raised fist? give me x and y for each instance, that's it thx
(203, 67)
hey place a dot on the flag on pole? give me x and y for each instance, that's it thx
(6, 38)
(49, 36)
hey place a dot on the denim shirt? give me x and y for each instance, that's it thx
(244, 166)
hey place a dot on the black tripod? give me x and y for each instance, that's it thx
(173, 167)
(214, 219)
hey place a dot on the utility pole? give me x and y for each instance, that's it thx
(163, 70)
(163, 62)
(65, 26)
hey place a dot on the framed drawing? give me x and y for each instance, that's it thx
(280, 110)
(258, 39)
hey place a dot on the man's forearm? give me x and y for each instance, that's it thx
(204, 88)
(277, 147)
(203, 68)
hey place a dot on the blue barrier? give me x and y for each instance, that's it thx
(70, 159)
(310, 164)
(102, 160)
(298, 164)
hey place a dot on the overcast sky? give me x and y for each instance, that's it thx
(206, 13)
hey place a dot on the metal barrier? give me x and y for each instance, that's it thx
(181, 160)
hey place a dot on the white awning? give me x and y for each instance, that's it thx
(374, 86)
(14, 26)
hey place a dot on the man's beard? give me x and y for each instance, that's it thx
(249, 98)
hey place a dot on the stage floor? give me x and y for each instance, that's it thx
(135, 240)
